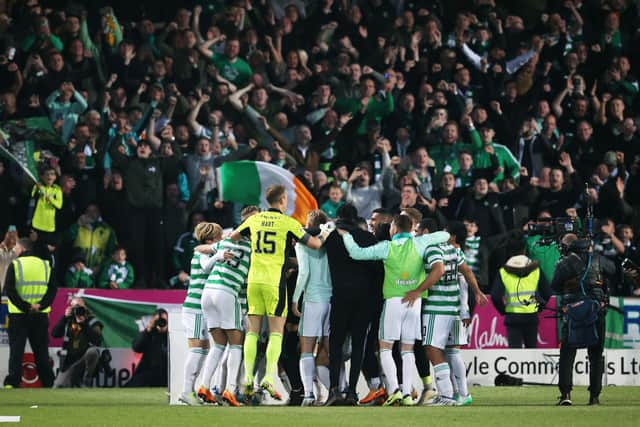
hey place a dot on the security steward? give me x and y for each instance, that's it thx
(519, 292)
(31, 291)
(580, 278)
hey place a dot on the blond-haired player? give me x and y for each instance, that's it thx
(192, 319)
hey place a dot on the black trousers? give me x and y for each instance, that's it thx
(522, 329)
(145, 241)
(348, 317)
(522, 335)
(370, 364)
(289, 358)
(35, 327)
(596, 361)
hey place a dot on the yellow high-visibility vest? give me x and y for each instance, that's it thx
(32, 280)
(520, 291)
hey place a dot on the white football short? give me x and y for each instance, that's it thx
(399, 322)
(194, 326)
(315, 319)
(441, 330)
(221, 310)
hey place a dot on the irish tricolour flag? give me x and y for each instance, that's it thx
(246, 182)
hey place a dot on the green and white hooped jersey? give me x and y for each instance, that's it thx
(198, 276)
(471, 253)
(231, 275)
(444, 296)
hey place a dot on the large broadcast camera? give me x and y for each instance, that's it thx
(551, 230)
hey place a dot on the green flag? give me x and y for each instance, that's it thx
(22, 142)
(122, 319)
(614, 327)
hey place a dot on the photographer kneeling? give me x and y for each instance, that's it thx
(152, 371)
(581, 279)
(81, 349)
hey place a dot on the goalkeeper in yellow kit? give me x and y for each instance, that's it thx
(271, 232)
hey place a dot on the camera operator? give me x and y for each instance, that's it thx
(581, 279)
(80, 352)
(152, 343)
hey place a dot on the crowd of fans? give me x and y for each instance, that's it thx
(493, 113)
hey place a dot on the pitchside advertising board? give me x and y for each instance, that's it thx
(126, 312)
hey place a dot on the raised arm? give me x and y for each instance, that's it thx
(379, 251)
(235, 99)
(192, 117)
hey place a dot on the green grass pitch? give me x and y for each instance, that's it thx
(515, 407)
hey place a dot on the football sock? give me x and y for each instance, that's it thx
(443, 380)
(374, 383)
(233, 367)
(274, 348)
(260, 371)
(323, 376)
(389, 369)
(427, 382)
(211, 363)
(408, 361)
(250, 351)
(458, 371)
(307, 365)
(220, 374)
(192, 366)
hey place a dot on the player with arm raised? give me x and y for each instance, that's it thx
(400, 319)
(222, 309)
(314, 281)
(270, 232)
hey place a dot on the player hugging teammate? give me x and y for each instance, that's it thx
(422, 300)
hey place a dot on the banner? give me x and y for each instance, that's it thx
(614, 324)
(124, 313)
(622, 367)
(487, 328)
(631, 323)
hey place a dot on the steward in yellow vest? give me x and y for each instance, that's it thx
(519, 292)
(30, 291)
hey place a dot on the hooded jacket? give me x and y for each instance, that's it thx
(543, 293)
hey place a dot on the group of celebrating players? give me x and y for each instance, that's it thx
(239, 282)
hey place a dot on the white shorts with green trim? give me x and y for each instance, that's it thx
(221, 310)
(442, 330)
(194, 326)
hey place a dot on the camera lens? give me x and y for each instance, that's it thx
(79, 311)
(161, 322)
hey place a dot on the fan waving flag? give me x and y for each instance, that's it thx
(247, 181)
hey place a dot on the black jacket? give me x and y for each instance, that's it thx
(570, 271)
(143, 179)
(353, 280)
(153, 346)
(77, 343)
